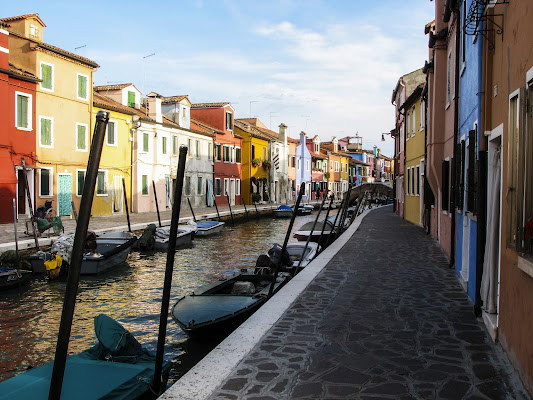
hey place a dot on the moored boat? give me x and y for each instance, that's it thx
(117, 367)
(217, 309)
(184, 236)
(283, 211)
(319, 234)
(304, 210)
(207, 228)
(11, 277)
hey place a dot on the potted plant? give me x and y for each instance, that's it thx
(256, 162)
(266, 164)
(326, 175)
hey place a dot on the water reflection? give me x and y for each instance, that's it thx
(131, 293)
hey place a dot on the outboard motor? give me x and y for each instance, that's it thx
(275, 256)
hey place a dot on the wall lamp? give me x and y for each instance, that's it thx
(392, 133)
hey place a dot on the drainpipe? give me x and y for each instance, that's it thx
(456, 128)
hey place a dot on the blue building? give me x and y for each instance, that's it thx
(467, 161)
(303, 167)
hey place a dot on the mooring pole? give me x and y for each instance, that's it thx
(215, 201)
(30, 205)
(244, 204)
(78, 248)
(126, 204)
(74, 211)
(256, 212)
(16, 233)
(156, 204)
(230, 212)
(284, 248)
(312, 230)
(192, 211)
(171, 251)
(321, 247)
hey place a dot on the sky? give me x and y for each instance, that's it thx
(326, 67)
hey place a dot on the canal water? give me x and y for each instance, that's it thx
(131, 294)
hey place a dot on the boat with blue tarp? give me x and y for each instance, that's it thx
(206, 228)
(283, 211)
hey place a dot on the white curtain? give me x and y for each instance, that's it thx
(210, 202)
(489, 281)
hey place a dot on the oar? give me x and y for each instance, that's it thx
(16, 233)
(230, 212)
(215, 201)
(309, 237)
(156, 204)
(284, 248)
(126, 204)
(163, 318)
(322, 247)
(78, 248)
(192, 211)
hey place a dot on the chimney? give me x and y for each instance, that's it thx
(154, 108)
(283, 133)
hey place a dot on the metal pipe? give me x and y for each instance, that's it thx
(284, 248)
(163, 318)
(78, 248)
(156, 204)
(126, 204)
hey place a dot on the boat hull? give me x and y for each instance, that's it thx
(282, 213)
(109, 253)
(207, 228)
(11, 278)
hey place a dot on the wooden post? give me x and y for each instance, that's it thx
(156, 205)
(30, 205)
(230, 212)
(284, 248)
(325, 222)
(163, 318)
(74, 211)
(126, 204)
(16, 233)
(78, 248)
(192, 211)
(215, 201)
(256, 212)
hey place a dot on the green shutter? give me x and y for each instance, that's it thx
(174, 145)
(81, 137)
(82, 86)
(22, 111)
(81, 181)
(145, 142)
(145, 184)
(238, 155)
(46, 76)
(164, 142)
(46, 132)
(45, 182)
(100, 183)
(111, 133)
(131, 99)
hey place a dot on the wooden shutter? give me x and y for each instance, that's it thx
(131, 99)
(110, 133)
(445, 184)
(81, 181)
(22, 107)
(82, 86)
(472, 171)
(46, 74)
(46, 136)
(81, 137)
(145, 142)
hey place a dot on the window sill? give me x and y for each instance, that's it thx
(102, 195)
(46, 196)
(525, 263)
(82, 150)
(24, 129)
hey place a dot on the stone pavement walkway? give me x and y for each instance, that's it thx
(385, 319)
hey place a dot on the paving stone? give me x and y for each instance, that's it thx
(454, 390)
(306, 391)
(235, 384)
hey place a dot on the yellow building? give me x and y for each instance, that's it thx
(255, 170)
(345, 172)
(115, 162)
(414, 156)
(63, 110)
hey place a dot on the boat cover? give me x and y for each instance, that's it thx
(207, 224)
(284, 207)
(124, 371)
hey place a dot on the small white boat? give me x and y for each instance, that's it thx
(184, 237)
(207, 228)
(296, 250)
(304, 210)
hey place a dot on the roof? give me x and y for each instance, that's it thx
(291, 140)
(173, 99)
(118, 86)
(21, 74)
(255, 131)
(209, 105)
(206, 127)
(329, 147)
(24, 16)
(102, 101)
(253, 121)
(65, 53)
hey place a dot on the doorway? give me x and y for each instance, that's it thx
(64, 194)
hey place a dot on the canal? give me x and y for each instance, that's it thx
(131, 294)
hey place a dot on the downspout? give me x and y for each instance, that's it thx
(456, 130)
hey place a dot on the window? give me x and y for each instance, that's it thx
(164, 145)
(111, 133)
(299, 164)
(418, 180)
(229, 121)
(237, 154)
(515, 181)
(81, 137)
(46, 128)
(189, 145)
(45, 182)
(422, 115)
(184, 112)
(226, 186)
(174, 144)
(145, 143)
(413, 125)
(197, 149)
(445, 185)
(293, 161)
(144, 188)
(408, 125)
(199, 187)
(82, 86)
(188, 185)
(253, 151)
(218, 152)
(237, 187)
(336, 166)
(408, 181)
(47, 76)
(210, 151)
(331, 165)
(80, 180)
(34, 31)
(101, 186)
(131, 99)
(23, 111)
(226, 153)
(218, 187)
(472, 172)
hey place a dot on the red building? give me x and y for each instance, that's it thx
(228, 150)
(17, 139)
